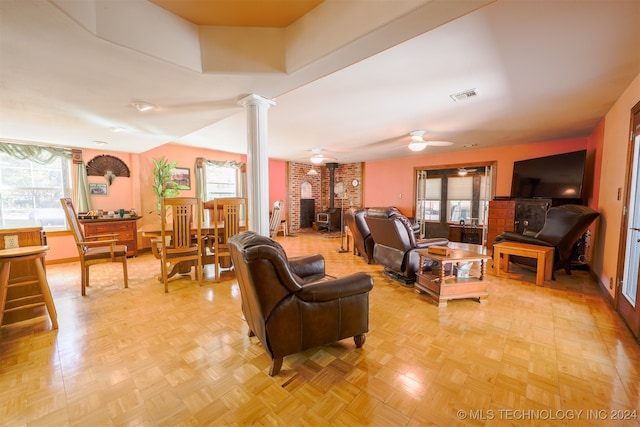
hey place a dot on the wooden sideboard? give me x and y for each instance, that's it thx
(126, 230)
(20, 299)
(466, 234)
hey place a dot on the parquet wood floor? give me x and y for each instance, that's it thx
(552, 355)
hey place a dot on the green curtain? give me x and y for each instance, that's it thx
(83, 201)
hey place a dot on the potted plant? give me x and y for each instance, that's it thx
(163, 185)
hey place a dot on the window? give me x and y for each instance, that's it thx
(32, 191)
(429, 195)
(459, 199)
(221, 181)
(449, 195)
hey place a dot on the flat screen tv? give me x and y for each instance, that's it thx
(554, 177)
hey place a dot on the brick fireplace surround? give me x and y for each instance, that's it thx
(297, 174)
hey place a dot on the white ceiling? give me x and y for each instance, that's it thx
(354, 87)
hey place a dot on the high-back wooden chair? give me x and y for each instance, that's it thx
(94, 249)
(226, 217)
(181, 239)
(275, 220)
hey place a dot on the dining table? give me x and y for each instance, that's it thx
(208, 230)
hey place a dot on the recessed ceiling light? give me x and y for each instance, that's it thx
(117, 129)
(143, 106)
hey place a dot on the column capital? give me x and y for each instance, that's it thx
(253, 99)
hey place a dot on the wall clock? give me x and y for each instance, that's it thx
(355, 183)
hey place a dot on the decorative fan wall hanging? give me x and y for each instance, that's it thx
(108, 166)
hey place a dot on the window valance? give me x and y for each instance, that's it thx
(201, 162)
(36, 153)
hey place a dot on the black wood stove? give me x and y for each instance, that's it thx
(330, 219)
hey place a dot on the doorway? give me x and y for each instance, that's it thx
(628, 297)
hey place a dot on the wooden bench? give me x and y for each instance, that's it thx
(543, 255)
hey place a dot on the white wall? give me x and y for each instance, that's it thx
(614, 172)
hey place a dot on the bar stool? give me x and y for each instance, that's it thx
(26, 253)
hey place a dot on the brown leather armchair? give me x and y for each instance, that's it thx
(362, 240)
(563, 227)
(395, 243)
(290, 305)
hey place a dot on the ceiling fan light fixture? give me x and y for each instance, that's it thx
(417, 142)
(316, 159)
(417, 146)
(463, 172)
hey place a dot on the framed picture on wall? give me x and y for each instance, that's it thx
(182, 176)
(98, 189)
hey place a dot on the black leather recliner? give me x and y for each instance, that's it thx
(289, 303)
(354, 218)
(395, 244)
(563, 227)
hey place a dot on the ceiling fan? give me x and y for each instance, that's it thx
(464, 171)
(318, 158)
(418, 142)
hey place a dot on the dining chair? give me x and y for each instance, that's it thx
(181, 238)
(97, 249)
(227, 214)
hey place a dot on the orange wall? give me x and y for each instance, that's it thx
(122, 189)
(391, 182)
(278, 183)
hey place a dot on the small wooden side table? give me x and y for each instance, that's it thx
(35, 254)
(443, 285)
(543, 255)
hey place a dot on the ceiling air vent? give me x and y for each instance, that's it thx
(461, 96)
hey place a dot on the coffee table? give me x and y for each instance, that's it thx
(443, 285)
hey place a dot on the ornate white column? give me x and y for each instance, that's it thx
(257, 162)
